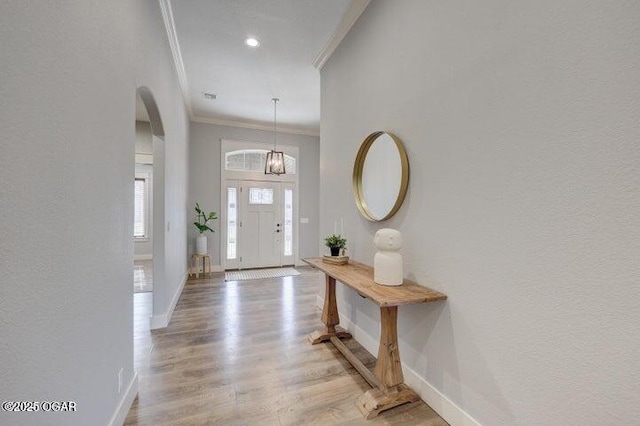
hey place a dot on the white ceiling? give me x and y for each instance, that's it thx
(210, 38)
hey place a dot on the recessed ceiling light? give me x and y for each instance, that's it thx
(252, 42)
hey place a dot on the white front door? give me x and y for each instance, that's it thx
(261, 225)
(260, 233)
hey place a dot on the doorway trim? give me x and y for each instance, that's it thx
(162, 308)
(226, 176)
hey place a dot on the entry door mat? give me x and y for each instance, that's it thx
(257, 274)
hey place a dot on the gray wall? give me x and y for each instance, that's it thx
(68, 88)
(521, 121)
(155, 70)
(204, 178)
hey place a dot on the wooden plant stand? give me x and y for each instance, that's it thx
(387, 379)
(195, 258)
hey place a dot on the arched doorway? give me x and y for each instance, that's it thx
(149, 236)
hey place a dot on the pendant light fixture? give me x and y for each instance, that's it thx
(275, 159)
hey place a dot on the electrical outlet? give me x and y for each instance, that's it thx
(120, 373)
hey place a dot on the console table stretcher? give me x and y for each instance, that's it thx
(387, 379)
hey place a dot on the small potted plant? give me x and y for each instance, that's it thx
(336, 244)
(202, 218)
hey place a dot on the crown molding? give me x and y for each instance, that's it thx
(254, 126)
(170, 26)
(348, 20)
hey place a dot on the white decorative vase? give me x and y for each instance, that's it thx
(201, 244)
(387, 263)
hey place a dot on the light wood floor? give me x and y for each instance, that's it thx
(142, 276)
(236, 354)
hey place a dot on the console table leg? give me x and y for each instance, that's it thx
(330, 316)
(392, 391)
(388, 366)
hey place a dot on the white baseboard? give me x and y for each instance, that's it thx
(158, 321)
(162, 320)
(442, 405)
(120, 415)
(142, 257)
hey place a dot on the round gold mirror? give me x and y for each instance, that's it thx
(380, 176)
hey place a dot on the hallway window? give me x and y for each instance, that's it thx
(141, 208)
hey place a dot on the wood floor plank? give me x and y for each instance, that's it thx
(236, 353)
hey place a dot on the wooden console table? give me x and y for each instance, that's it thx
(387, 379)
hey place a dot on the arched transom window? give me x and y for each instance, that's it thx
(253, 160)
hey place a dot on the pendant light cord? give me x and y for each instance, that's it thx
(275, 106)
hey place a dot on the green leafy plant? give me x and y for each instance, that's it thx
(202, 219)
(335, 241)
